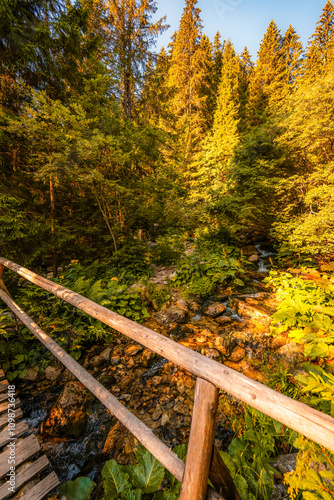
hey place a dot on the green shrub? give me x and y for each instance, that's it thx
(305, 309)
(201, 273)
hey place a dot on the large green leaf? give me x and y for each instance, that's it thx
(115, 481)
(148, 473)
(80, 489)
(132, 495)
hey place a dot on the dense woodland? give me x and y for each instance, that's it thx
(101, 137)
(115, 159)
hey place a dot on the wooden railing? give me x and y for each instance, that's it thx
(202, 461)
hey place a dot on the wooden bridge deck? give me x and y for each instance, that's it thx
(29, 463)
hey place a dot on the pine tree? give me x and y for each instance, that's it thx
(246, 70)
(320, 44)
(153, 104)
(189, 63)
(131, 34)
(268, 83)
(210, 165)
(217, 64)
(292, 49)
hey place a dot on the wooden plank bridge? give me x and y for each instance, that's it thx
(203, 461)
(20, 452)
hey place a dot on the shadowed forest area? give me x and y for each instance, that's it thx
(191, 190)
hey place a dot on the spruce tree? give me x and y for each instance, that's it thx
(210, 165)
(245, 74)
(319, 50)
(292, 48)
(189, 63)
(268, 85)
(131, 34)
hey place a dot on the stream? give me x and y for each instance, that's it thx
(158, 393)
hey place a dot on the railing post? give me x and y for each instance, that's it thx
(2, 285)
(196, 473)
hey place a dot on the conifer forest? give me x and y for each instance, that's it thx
(189, 189)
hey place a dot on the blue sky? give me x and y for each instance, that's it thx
(245, 21)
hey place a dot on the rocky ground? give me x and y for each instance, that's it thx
(79, 434)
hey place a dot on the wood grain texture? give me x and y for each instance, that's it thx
(4, 417)
(4, 405)
(25, 476)
(221, 478)
(196, 473)
(3, 396)
(43, 488)
(298, 416)
(145, 435)
(24, 450)
(20, 429)
(4, 386)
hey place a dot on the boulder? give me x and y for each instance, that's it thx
(132, 350)
(254, 313)
(249, 250)
(225, 344)
(285, 463)
(215, 310)
(105, 354)
(211, 353)
(237, 355)
(31, 375)
(68, 415)
(182, 304)
(51, 373)
(172, 315)
(253, 258)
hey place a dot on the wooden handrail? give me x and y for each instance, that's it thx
(298, 416)
(143, 433)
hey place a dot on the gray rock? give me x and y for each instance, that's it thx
(285, 463)
(253, 258)
(51, 373)
(31, 375)
(172, 315)
(106, 353)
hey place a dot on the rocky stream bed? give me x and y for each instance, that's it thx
(78, 434)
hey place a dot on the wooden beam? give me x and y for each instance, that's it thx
(4, 387)
(20, 429)
(221, 478)
(25, 476)
(24, 450)
(3, 396)
(298, 416)
(3, 287)
(4, 417)
(4, 405)
(196, 473)
(43, 488)
(2, 267)
(145, 435)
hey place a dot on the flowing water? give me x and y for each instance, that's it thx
(77, 457)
